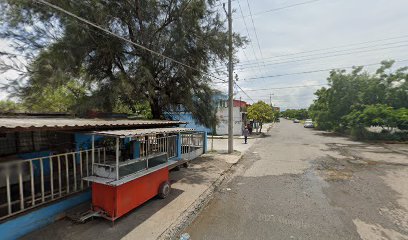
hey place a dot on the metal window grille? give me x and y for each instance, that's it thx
(26, 184)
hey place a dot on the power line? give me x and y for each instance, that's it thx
(335, 47)
(246, 28)
(319, 70)
(289, 87)
(256, 34)
(301, 58)
(284, 7)
(122, 38)
(335, 55)
(331, 52)
(242, 90)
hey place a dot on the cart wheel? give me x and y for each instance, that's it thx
(164, 190)
(185, 165)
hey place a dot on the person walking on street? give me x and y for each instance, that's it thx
(246, 133)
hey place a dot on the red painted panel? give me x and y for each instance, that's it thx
(104, 198)
(132, 194)
(117, 201)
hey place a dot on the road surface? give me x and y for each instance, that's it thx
(301, 183)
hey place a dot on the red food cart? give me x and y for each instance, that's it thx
(134, 170)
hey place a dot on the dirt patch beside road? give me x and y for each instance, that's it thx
(369, 183)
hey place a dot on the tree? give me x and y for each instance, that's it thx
(296, 113)
(10, 106)
(63, 98)
(345, 101)
(378, 115)
(190, 31)
(261, 112)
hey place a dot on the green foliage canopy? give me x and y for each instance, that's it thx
(296, 113)
(114, 71)
(10, 106)
(261, 112)
(359, 99)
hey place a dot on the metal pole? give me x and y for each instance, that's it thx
(230, 84)
(117, 158)
(93, 154)
(8, 189)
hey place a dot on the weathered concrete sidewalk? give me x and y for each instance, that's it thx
(159, 219)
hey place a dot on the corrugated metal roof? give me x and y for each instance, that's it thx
(141, 132)
(77, 123)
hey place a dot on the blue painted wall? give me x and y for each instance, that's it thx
(178, 144)
(187, 117)
(181, 114)
(22, 225)
(36, 164)
(136, 149)
(84, 141)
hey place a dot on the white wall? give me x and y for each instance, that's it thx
(222, 115)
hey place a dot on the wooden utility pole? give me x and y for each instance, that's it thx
(230, 84)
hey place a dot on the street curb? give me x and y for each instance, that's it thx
(188, 216)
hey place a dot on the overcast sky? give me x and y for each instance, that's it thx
(338, 26)
(323, 24)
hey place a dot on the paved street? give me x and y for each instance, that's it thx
(305, 184)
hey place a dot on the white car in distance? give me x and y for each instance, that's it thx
(308, 124)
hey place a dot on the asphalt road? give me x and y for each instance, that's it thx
(300, 183)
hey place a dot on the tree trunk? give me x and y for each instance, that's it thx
(156, 110)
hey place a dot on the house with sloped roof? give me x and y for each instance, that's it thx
(45, 159)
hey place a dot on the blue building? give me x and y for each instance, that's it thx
(43, 163)
(183, 115)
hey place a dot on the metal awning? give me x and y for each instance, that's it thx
(140, 132)
(32, 123)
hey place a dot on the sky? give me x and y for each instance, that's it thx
(338, 26)
(348, 32)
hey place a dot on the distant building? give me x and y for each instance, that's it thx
(276, 109)
(239, 113)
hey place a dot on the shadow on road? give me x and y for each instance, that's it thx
(99, 228)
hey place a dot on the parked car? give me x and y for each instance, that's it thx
(296, 121)
(308, 124)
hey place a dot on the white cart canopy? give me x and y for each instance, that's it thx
(140, 132)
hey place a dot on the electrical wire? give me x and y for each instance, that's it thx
(289, 87)
(281, 8)
(246, 28)
(242, 90)
(256, 33)
(332, 52)
(319, 70)
(333, 47)
(334, 55)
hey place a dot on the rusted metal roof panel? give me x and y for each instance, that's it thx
(77, 123)
(141, 132)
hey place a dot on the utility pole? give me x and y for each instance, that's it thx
(240, 103)
(270, 99)
(230, 83)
